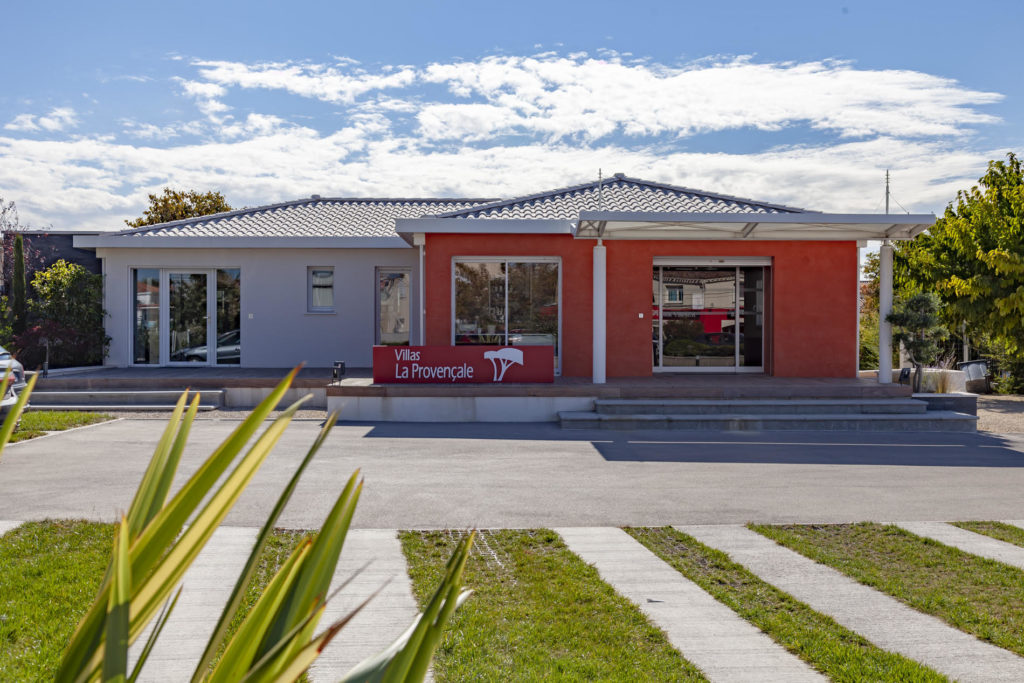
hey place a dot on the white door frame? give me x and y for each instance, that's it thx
(211, 317)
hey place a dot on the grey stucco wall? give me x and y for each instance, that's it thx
(280, 333)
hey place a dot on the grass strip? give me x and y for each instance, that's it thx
(38, 422)
(839, 653)
(49, 574)
(980, 596)
(538, 612)
(1007, 533)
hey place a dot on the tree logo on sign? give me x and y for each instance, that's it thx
(503, 358)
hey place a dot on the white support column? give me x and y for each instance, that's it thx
(600, 312)
(884, 309)
(419, 240)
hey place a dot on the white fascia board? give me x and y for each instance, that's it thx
(748, 217)
(752, 226)
(136, 242)
(781, 235)
(484, 226)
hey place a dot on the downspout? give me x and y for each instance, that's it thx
(418, 238)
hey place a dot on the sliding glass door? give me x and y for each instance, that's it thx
(708, 318)
(179, 315)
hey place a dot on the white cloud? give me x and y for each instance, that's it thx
(201, 89)
(337, 84)
(502, 126)
(94, 184)
(57, 120)
(580, 97)
(22, 122)
(593, 98)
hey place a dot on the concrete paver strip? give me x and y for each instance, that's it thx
(968, 541)
(710, 635)
(883, 620)
(385, 618)
(8, 525)
(206, 588)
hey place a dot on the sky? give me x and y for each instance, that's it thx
(800, 103)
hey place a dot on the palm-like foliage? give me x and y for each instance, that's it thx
(158, 539)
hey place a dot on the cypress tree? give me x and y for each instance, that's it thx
(18, 303)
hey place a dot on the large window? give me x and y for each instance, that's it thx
(513, 302)
(708, 318)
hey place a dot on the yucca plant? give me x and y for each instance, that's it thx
(158, 539)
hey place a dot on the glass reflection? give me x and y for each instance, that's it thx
(480, 303)
(393, 307)
(229, 317)
(147, 316)
(188, 317)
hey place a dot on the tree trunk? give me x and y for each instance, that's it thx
(918, 373)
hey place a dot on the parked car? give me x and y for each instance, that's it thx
(229, 349)
(15, 382)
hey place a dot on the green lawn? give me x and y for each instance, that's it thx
(538, 612)
(997, 530)
(37, 422)
(49, 575)
(976, 595)
(839, 653)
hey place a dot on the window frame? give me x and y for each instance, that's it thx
(557, 260)
(407, 270)
(310, 308)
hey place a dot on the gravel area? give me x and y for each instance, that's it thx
(1001, 414)
(219, 414)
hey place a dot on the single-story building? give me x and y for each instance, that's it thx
(623, 277)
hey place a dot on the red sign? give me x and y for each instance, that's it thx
(463, 364)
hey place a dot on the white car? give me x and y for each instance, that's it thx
(15, 382)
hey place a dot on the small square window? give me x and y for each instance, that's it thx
(321, 289)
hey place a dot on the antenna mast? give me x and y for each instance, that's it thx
(600, 191)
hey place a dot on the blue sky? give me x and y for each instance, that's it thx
(803, 103)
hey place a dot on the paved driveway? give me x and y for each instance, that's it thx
(529, 475)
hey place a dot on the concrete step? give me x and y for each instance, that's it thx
(214, 398)
(758, 406)
(932, 421)
(113, 407)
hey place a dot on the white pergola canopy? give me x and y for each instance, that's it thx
(807, 226)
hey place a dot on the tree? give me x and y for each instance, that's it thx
(18, 303)
(973, 259)
(871, 283)
(918, 327)
(174, 205)
(68, 312)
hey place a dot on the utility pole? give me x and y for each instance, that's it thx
(887, 190)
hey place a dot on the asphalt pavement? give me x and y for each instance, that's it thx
(530, 475)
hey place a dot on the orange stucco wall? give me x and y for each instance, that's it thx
(812, 322)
